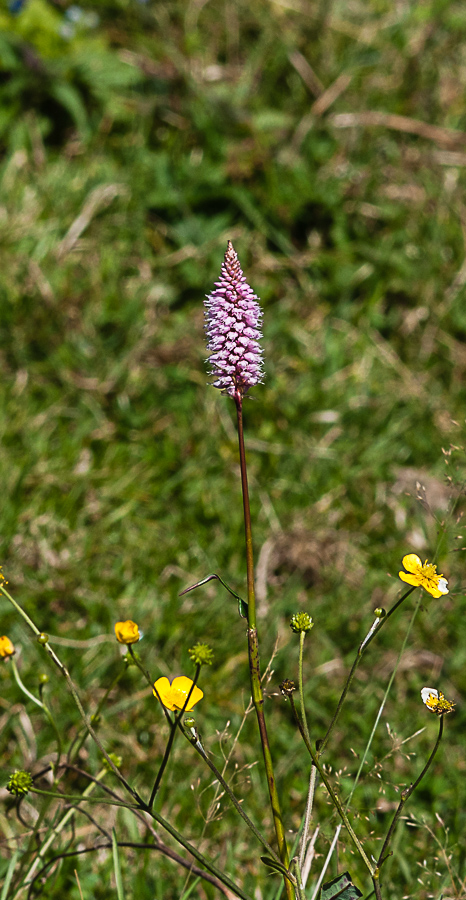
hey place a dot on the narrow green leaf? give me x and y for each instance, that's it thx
(70, 98)
(9, 874)
(273, 864)
(190, 889)
(117, 867)
(242, 604)
(341, 887)
(243, 608)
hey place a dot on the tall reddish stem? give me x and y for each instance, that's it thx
(253, 646)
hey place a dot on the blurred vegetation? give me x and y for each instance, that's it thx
(135, 139)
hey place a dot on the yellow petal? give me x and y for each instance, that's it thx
(163, 691)
(412, 563)
(127, 632)
(6, 647)
(181, 687)
(173, 696)
(432, 589)
(410, 579)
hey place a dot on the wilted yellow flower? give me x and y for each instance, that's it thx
(436, 702)
(7, 648)
(173, 695)
(423, 576)
(127, 632)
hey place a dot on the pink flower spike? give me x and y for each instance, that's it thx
(233, 329)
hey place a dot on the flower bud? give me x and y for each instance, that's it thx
(301, 622)
(201, 655)
(190, 723)
(42, 638)
(7, 648)
(116, 760)
(20, 783)
(287, 687)
(127, 632)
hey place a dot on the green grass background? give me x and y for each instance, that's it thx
(135, 140)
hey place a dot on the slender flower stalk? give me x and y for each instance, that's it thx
(191, 734)
(180, 696)
(58, 828)
(378, 623)
(39, 703)
(332, 793)
(405, 794)
(43, 641)
(236, 890)
(312, 778)
(233, 318)
(253, 646)
(81, 738)
(139, 804)
(300, 624)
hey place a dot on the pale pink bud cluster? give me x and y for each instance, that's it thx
(233, 320)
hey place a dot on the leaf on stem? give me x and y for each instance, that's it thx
(273, 864)
(242, 604)
(341, 887)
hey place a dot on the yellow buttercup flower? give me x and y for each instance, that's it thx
(7, 648)
(436, 702)
(127, 632)
(423, 576)
(173, 695)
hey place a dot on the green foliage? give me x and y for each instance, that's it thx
(341, 887)
(132, 147)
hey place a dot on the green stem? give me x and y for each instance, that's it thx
(209, 866)
(199, 857)
(144, 671)
(307, 816)
(64, 671)
(40, 703)
(139, 802)
(295, 865)
(374, 629)
(312, 779)
(193, 737)
(302, 635)
(58, 828)
(404, 797)
(362, 761)
(247, 516)
(79, 740)
(171, 739)
(253, 647)
(76, 798)
(333, 795)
